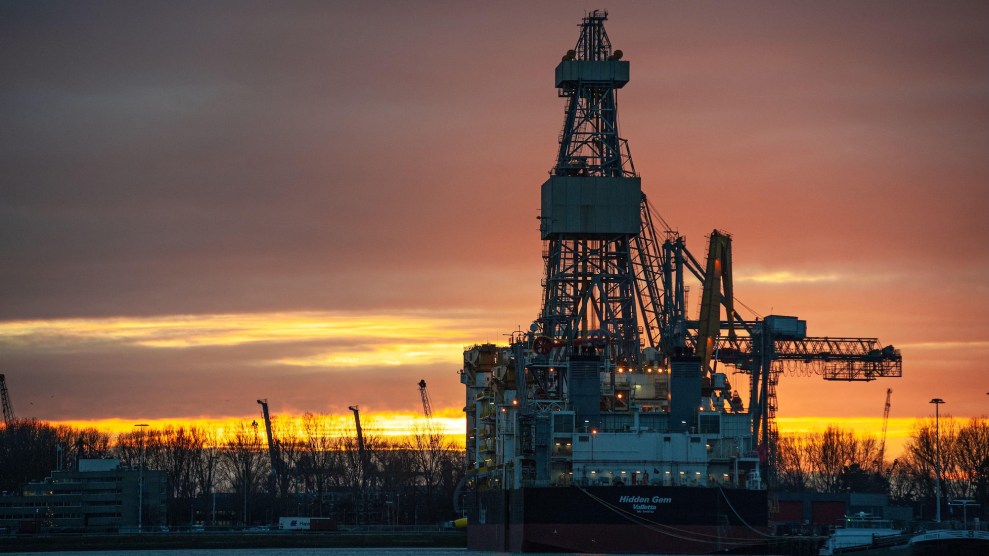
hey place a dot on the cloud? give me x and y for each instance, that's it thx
(198, 199)
(787, 277)
(947, 345)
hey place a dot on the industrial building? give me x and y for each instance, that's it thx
(101, 496)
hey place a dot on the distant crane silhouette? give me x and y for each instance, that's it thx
(8, 410)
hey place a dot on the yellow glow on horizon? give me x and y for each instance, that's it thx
(897, 431)
(388, 426)
(450, 423)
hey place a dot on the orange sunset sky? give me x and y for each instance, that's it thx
(202, 204)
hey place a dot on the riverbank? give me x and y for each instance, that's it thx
(234, 539)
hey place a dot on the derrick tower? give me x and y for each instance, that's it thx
(590, 207)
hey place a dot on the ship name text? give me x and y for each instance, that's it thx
(644, 500)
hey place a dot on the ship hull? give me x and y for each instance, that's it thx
(625, 519)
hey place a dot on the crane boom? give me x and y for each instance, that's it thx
(849, 359)
(8, 410)
(427, 408)
(361, 450)
(272, 448)
(882, 443)
(718, 275)
(360, 433)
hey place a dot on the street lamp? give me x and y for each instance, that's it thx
(937, 457)
(140, 482)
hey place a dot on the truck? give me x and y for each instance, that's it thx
(306, 524)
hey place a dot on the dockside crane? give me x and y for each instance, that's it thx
(765, 347)
(276, 460)
(360, 437)
(8, 409)
(762, 347)
(882, 442)
(365, 464)
(427, 409)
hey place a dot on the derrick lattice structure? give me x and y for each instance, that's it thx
(590, 206)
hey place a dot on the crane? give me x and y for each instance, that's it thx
(718, 275)
(8, 410)
(427, 409)
(364, 464)
(360, 433)
(761, 348)
(276, 459)
(882, 442)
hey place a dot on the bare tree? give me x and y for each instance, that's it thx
(827, 454)
(791, 466)
(205, 467)
(288, 451)
(28, 452)
(972, 457)
(915, 477)
(835, 460)
(429, 452)
(320, 462)
(244, 466)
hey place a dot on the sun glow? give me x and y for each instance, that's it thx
(897, 432)
(450, 424)
(389, 427)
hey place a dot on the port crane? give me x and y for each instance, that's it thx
(364, 462)
(882, 442)
(8, 409)
(360, 433)
(427, 409)
(273, 451)
(762, 347)
(361, 448)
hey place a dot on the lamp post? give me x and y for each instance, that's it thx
(937, 457)
(140, 482)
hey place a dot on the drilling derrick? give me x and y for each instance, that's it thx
(590, 209)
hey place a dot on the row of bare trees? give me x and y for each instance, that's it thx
(320, 472)
(412, 480)
(838, 460)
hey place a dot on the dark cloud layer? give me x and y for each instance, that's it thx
(194, 158)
